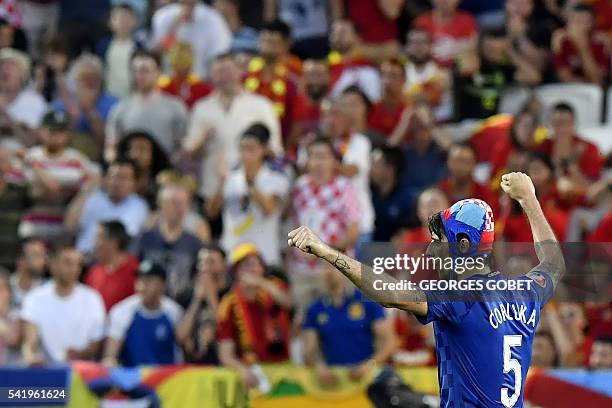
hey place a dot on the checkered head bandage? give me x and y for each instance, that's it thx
(473, 218)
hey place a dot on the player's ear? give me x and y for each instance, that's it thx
(464, 244)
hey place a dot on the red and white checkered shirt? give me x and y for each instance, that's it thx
(329, 209)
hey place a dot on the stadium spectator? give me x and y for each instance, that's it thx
(309, 21)
(454, 32)
(581, 54)
(21, 108)
(480, 78)
(55, 173)
(510, 154)
(49, 72)
(183, 83)
(163, 116)
(544, 353)
(39, 22)
(425, 155)
(274, 73)
(359, 106)
(14, 200)
(63, 319)
(244, 37)
(386, 113)
(141, 328)
(9, 324)
(114, 273)
(251, 198)
(11, 36)
(431, 201)
(575, 158)
(253, 317)
(460, 183)
(218, 121)
(393, 202)
(83, 24)
(196, 332)
(344, 312)
(354, 151)
(348, 64)
(150, 160)
(87, 105)
(601, 354)
(530, 36)
(30, 270)
(327, 202)
(374, 20)
(193, 222)
(193, 22)
(116, 51)
(314, 88)
(115, 200)
(424, 77)
(415, 348)
(169, 243)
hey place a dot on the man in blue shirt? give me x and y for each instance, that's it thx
(341, 313)
(483, 335)
(141, 328)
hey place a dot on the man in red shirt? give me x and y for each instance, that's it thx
(183, 84)
(253, 318)
(460, 184)
(574, 158)
(580, 53)
(386, 113)
(307, 113)
(454, 32)
(114, 274)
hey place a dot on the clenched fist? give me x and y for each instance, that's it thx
(518, 186)
(307, 241)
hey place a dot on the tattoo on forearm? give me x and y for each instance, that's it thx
(341, 263)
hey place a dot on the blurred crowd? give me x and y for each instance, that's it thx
(154, 154)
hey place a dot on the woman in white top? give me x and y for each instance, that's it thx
(251, 197)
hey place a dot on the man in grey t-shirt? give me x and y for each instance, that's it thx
(148, 109)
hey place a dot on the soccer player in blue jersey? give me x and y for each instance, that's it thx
(483, 345)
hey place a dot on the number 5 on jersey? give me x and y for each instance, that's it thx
(512, 364)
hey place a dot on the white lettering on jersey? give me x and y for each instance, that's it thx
(511, 311)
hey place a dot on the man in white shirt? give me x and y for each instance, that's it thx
(64, 319)
(21, 108)
(218, 121)
(196, 23)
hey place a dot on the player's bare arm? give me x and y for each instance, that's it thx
(520, 188)
(361, 275)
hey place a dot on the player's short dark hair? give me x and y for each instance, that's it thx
(394, 157)
(115, 231)
(356, 90)
(564, 107)
(278, 26)
(143, 53)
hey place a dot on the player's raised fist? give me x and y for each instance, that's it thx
(306, 241)
(518, 186)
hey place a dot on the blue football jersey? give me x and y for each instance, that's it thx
(484, 348)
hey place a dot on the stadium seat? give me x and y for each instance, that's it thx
(586, 99)
(601, 136)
